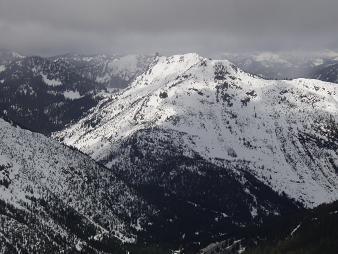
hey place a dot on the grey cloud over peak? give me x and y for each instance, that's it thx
(168, 26)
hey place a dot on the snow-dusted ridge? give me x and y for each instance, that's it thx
(41, 176)
(44, 95)
(110, 71)
(284, 132)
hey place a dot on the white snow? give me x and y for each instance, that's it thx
(138, 225)
(271, 57)
(2, 68)
(72, 95)
(125, 68)
(103, 79)
(295, 229)
(124, 65)
(35, 165)
(335, 162)
(88, 58)
(225, 215)
(253, 212)
(50, 82)
(267, 58)
(241, 250)
(26, 89)
(260, 123)
(17, 55)
(79, 246)
(318, 61)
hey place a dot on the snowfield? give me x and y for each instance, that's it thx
(72, 95)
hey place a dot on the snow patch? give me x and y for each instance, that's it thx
(50, 82)
(103, 79)
(254, 212)
(318, 61)
(72, 95)
(2, 68)
(79, 246)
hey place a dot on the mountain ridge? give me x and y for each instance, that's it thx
(61, 196)
(157, 92)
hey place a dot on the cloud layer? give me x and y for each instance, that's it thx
(167, 26)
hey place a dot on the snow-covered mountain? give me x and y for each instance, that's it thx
(44, 95)
(283, 130)
(317, 65)
(210, 147)
(225, 146)
(56, 199)
(110, 71)
(312, 229)
(7, 56)
(327, 71)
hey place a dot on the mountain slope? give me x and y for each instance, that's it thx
(321, 65)
(110, 71)
(7, 56)
(56, 199)
(313, 232)
(270, 65)
(283, 131)
(225, 147)
(45, 95)
(309, 231)
(327, 72)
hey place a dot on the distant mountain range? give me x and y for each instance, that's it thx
(320, 65)
(8, 56)
(45, 94)
(110, 71)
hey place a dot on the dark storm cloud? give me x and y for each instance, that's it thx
(168, 26)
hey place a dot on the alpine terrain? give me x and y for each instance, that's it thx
(215, 148)
(115, 139)
(44, 94)
(113, 72)
(320, 65)
(55, 199)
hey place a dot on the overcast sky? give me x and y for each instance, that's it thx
(208, 27)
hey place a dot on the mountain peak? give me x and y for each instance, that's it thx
(181, 67)
(225, 114)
